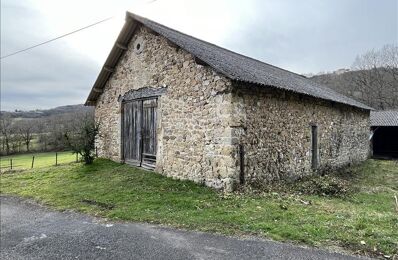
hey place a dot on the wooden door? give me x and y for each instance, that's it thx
(149, 109)
(132, 133)
(139, 132)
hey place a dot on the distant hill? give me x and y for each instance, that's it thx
(346, 82)
(342, 82)
(42, 113)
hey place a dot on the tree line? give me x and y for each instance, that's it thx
(373, 78)
(19, 135)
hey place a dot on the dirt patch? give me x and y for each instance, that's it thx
(99, 204)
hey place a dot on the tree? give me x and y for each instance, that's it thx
(43, 141)
(6, 124)
(26, 128)
(16, 140)
(57, 127)
(41, 130)
(80, 138)
(377, 77)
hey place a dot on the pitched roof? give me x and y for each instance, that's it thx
(384, 118)
(233, 65)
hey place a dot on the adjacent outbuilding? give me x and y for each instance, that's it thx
(384, 127)
(189, 109)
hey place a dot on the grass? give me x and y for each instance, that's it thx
(363, 222)
(24, 161)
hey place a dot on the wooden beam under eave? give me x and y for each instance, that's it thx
(109, 69)
(172, 44)
(90, 103)
(98, 90)
(200, 62)
(120, 46)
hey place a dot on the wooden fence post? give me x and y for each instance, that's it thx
(96, 152)
(11, 164)
(56, 158)
(77, 157)
(33, 160)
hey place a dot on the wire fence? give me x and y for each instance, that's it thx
(37, 160)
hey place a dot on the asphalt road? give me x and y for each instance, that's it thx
(30, 231)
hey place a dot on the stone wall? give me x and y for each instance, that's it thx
(194, 137)
(205, 121)
(274, 127)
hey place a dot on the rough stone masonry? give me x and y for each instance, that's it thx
(222, 133)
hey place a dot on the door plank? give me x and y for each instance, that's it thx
(149, 132)
(139, 132)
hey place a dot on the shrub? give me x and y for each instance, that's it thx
(336, 184)
(327, 185)
(81, 139)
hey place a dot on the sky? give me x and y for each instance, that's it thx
(306, 36)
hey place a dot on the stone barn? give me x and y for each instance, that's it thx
(189, 109)
(384, 127)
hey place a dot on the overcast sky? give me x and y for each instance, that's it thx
(306, 36)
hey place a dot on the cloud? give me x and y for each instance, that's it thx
(312, 36)
(48, 76)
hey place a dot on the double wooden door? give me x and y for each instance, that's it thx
(139, 132)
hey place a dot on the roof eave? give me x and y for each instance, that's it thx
(118, 49)
(362, 106)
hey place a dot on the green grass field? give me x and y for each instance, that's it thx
(363, 222)
(24, 161)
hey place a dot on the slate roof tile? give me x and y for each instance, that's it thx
(384, 118)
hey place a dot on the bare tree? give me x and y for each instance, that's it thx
(389, 54)
(26, 128)
(377, 77)
(6, 124)
(41, 130)
(16, 140)
(56, 127)
(43, 141)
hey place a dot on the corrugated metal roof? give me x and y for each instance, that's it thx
(384, 118)
(238, 67)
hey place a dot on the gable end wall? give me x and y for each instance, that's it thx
(194, 136)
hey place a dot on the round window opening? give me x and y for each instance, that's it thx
(139, 45)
